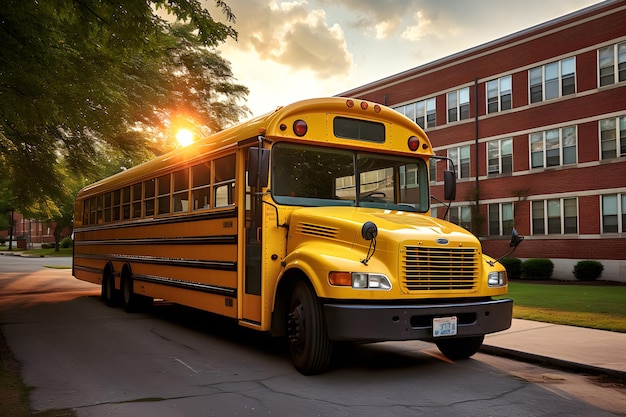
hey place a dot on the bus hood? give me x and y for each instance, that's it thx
(344, 224)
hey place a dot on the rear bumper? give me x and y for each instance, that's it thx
(364, 322)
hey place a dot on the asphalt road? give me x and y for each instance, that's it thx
(170, 361)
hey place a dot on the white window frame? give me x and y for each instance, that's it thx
(618, 138)
(500, 93)
(620, 212)
(546, 216)
(458, 102)
(562, 146)
(615, 56)
(458, 155)
(502, 207)
(547, 70)
(500, 144)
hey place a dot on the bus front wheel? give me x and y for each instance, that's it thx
(310, 347)
(461, 348)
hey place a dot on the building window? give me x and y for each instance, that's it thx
(553, 147)
(612, 64)
(613, 137)
(432, 170)
(555, 216)
(552, 80)
(461, 216)
(458, 105)
(461, 158)
(422, 112)
(500, 156)
(500, 219)
(499, 94)
(613, 213)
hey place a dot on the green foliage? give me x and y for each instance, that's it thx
(66, 242)
(537, 269)
(90, 84)
(588, 270)
(513, 267)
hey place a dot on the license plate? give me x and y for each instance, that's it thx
(444, 326)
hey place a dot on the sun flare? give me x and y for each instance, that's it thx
(184, 137)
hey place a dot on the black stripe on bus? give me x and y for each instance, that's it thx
(187, 285)
(89, 269)
(191, 263)
(196, 240)
(152, 221)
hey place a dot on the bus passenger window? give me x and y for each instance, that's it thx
(136, 201)
(86, 212)
(201, 186)
(163, 187)
(180, 197)
(224, 182)
(148, 197)
(126, 203)
(116, 206)
(107, 207)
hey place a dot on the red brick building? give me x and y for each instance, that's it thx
(536, 125)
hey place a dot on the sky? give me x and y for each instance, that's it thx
(292, 50)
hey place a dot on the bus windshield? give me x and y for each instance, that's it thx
(315, 176)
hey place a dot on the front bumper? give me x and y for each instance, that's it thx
(371, 323)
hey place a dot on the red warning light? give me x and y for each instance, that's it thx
(300, 127)
(413, 143)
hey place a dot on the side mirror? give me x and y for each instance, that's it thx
(516, 239)
(449, 185)
(258, 167)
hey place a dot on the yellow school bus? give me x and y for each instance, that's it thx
(311, 223)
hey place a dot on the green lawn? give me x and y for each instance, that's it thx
(599, 306)
(41, 252)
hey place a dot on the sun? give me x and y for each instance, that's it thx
(184, 137)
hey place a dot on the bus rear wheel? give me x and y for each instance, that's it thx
(109, 294)
(310, 347)
(131, 301)
(461, 348)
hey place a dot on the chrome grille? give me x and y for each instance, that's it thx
(433, 269)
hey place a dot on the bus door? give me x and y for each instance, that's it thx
(252, 304)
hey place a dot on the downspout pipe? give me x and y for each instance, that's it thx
(476, 165)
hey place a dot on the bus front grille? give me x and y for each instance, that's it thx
(439, 269)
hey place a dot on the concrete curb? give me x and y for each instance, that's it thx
(552, 362)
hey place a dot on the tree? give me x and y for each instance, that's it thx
(80, 79)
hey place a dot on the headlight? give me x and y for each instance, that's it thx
(359, 280)
(497, 279)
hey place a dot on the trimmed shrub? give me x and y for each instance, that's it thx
(537, 269)
(513, 267)
(588, 270)
(66, 242)
(47, 245)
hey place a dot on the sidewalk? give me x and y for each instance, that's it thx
(574, 348)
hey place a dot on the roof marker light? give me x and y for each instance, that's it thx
(364, 105)
(377, 108)
(349, 103)
(300, 127)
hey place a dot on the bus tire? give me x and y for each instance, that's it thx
(461, 348)
(109, 294)
(131, 301)
(309, 345)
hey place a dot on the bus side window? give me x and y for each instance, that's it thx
(126, 203)
(148, 197)
(181, 191)
(163, 200)
(201, 186)
(224, 181)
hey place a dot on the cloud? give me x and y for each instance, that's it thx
(292, 34)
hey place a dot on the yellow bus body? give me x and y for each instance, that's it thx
(186, 227)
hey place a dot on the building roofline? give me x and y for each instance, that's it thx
(384, 82)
